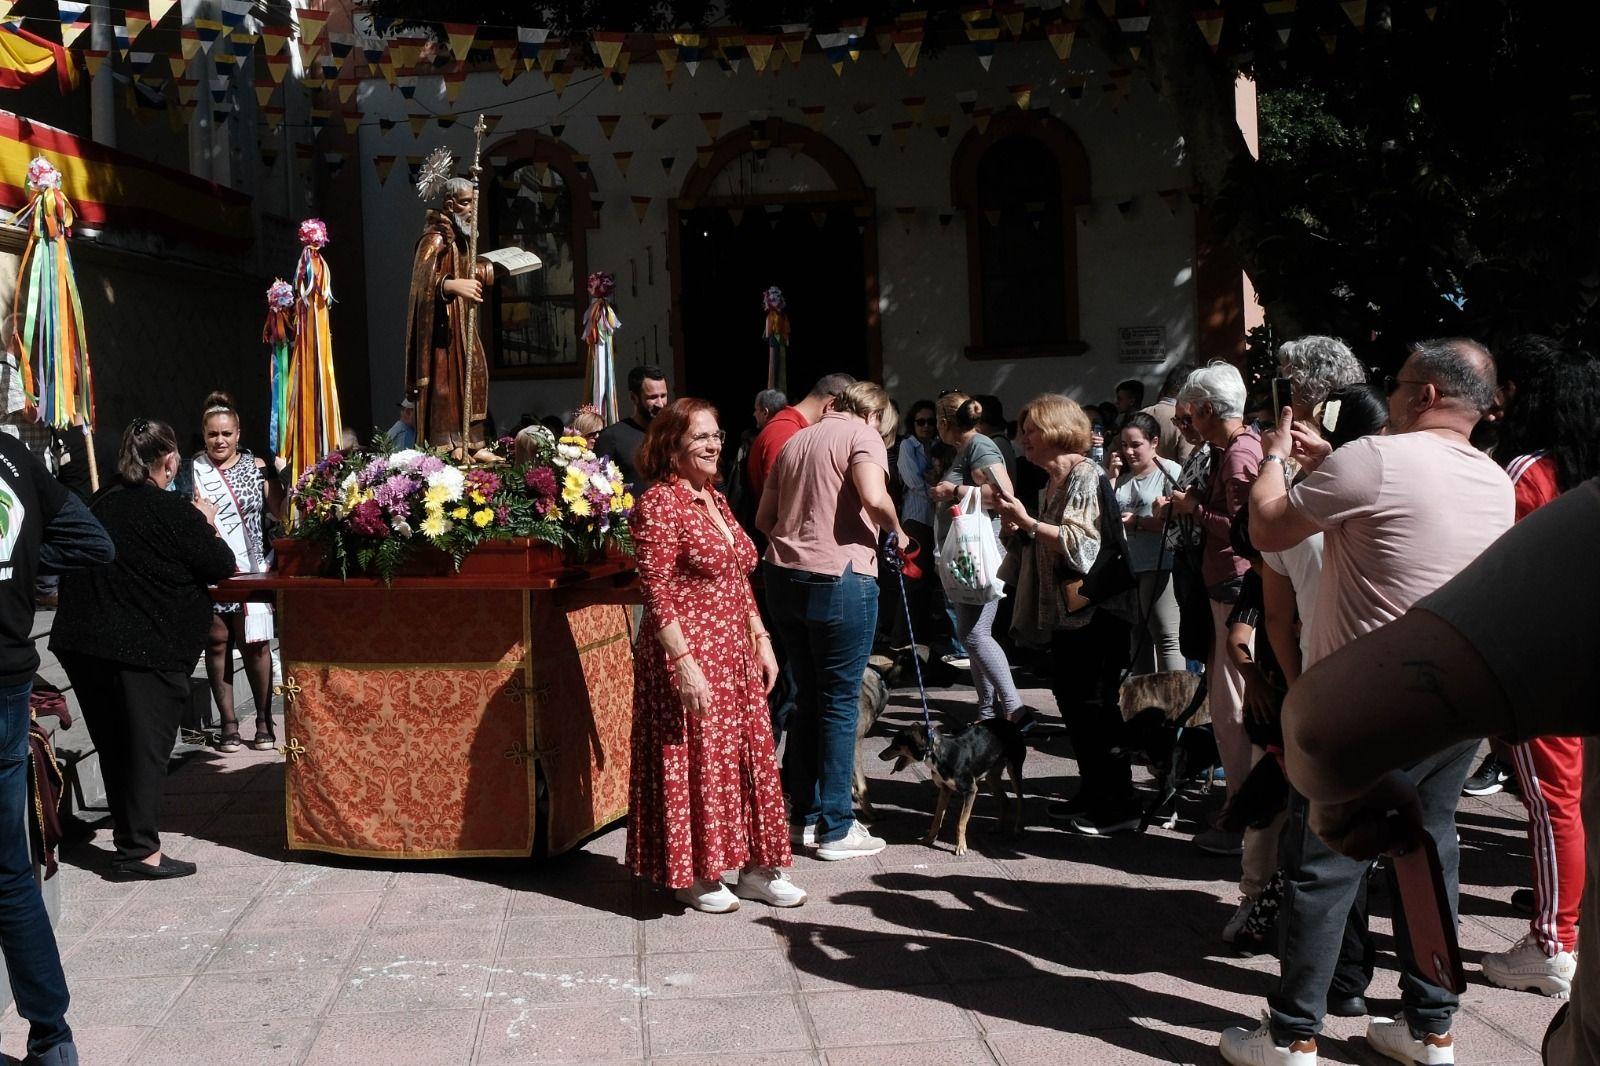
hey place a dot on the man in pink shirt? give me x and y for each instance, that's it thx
(785, 424)
(1401, 515)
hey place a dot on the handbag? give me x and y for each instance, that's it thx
(1111, 575)
(969, 561)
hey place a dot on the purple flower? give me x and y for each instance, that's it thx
(367, 519)
(544, 506)
(393, 492)
(483, 481)
(428, 464)
(373, 472)
(502, 514)
(540, 481)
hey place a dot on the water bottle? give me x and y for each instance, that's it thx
(1097, 450)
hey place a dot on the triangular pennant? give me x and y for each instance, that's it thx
(620, 74)
(559, 79)
(273, 115)
(178, 64)
(760, 47)
(92, 59)
(908, 43)
(1210, 22)
(159, 9)
(320, 117)
(608, 124)
(1010, 16)
(855, 31)
(941, 126)
(453, 81)
(277, 67)
(835, 46)
(946, 216)
(702, 155)
(408, 85)
(914, 106)
(414, 165)
(505, 61)
(242, 44)
(373, 50)
(352, 121)
(1061, 35)
(529, 41)
(794, 42)
(341, 44)
(1280, 13)
(269, 154)
(901, 131)
(383, 164)
(813, 114)
(980, 119)
(713, 122)
(1330, 41)
(264, 90)
(1075, 83)
(74, 20)
(1356, 11)
(1109, 8)
(548, 55)
(967, 99)
(1022, 94)
(135, 22)
(907, 215)
(557, 129)
(1431, 11)
(311, 24)
(308, 53)
(666, 164)
(460, 36)
(273, 37)
(608, 45)
(209, 32)
(874, 137)
(641, 206)
(446, 121)
(405, 51)
(1135, 29)
(234, 12)
(736, 216)
(347, 89)
(623, 160)
(489, 123)
(667, 56)
(983, 40)
(418, 123)
(189, 42)
(119, 37)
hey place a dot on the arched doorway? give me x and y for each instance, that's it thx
(775, 204)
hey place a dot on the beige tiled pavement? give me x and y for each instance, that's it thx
(1046, 949)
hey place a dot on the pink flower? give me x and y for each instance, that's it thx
(540, 480)
(43, 175)
(602, 285)
(502, 514)
(483, 481)
(367, 519)
(280, 295)
(314, 233)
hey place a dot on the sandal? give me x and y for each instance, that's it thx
(228, 742)
(264, 742)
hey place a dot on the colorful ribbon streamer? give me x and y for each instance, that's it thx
(275, 333)
(776, 333)
(47, 304)
(312, 427)
(600, 324)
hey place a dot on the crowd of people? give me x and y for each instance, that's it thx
(1213, 532)
(1335, 559)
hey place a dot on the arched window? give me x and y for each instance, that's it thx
(1018, 183)
(540, 203)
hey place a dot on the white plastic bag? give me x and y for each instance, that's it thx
(969, 561)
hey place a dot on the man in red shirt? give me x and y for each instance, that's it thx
(785, 424)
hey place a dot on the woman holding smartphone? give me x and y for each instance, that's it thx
(1146, 478)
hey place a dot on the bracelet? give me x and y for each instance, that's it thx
(763, 635)
(1271, 458)
(684, 655)
(1034, 532)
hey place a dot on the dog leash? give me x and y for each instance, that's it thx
(896, 562)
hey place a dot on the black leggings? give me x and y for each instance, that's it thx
(1086, 665)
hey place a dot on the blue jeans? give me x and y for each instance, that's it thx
(826, 624)
(32, 960)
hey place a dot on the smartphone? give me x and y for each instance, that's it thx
(1282, 394)
(1430, 926)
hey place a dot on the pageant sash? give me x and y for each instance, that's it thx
(230, 524)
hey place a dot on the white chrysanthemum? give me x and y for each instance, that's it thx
(404, 457)
(601, 483)
(569, 452)
(451, 480)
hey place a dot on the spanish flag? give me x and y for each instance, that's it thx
(24, 58)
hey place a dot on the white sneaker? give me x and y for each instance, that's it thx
(769, 886)
(711, 897)
(804, 835)
(1394, 1039)
(857, 842)
(960, 662)
(1230, 929)
(1255, 1047)
(1526, 968)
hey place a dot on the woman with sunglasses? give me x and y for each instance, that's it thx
(977, 465)
(915, 467)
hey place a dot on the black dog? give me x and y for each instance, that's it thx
(959, 762)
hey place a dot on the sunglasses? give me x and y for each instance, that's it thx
(924, 422)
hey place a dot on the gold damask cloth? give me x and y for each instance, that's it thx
(416, 721)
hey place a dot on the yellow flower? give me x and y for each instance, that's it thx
(627, 501)
(483, 518)
(477, 498)
(436, 495)
(434, 525)
(459, 513)
(573, 485)
(579, 506)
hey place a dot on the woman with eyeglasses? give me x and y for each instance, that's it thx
(705, 794)
(977, 465)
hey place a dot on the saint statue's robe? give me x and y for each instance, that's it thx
(445, 369)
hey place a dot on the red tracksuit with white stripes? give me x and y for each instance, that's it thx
(1550, 771)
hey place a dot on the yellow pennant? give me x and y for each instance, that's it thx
(383, 164)
(311, 24)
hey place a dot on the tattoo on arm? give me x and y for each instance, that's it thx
(1426, 679)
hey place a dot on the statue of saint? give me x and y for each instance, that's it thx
(447, 375)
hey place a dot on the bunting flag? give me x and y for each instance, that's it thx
(1135, 29)
(273, 115)
(273, 37)
(600, 325)
(406, 50)
(914, 106)
(352, 122)
(275, 334)
(505, 61)
(234, 12)
(813, 114)
(1010, 16)
(641, 206)
(418, 123)
(74, 20)
(159, 9)
(134, 23)
(667, 57)
(311, 425)
(775, 333)
(311, 24)
(383, 164)
(941, 126)
(967, 99)
(623, 160)
(666, 164)
(901, 131)
(548, 56)
(47, 307)
(983, 40)
(92, 58)
(1280, 13)
(414, 166)
(347, 88)
(835, 47)
(529, 40)
(209, 32)
(453, 81)
(119, 39)
(489, 123)
(558, 81)
(1022, 94)
(277, 67)
(855, 31)
(608, 124)
(760, 47)
(1330, 41)
(874, 137)
(460, 36)
(1061, 34)
(264, 90)
(946, 216)
(980, 119)
(241, 45)
(408, 86)
(178, 64)
(373, 50)
(793, 40)
(1355, 10)
(26, 57)
(608, 45)
(908, 43)
(713, 122)
(1210, 22)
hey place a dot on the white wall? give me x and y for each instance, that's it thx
(1134, 269)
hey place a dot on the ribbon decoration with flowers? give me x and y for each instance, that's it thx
(275, 334)
(370, 510)
(49, 310)
(600, 324)
(776, 332)
(311, 422)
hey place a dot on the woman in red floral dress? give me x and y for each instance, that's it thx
(705, 795)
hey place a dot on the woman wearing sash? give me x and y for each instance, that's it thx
(243, 491)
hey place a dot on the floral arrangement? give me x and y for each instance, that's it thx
(373, 509)
(43, 175)
(280, 295)
(314, 233)
(602, 285)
